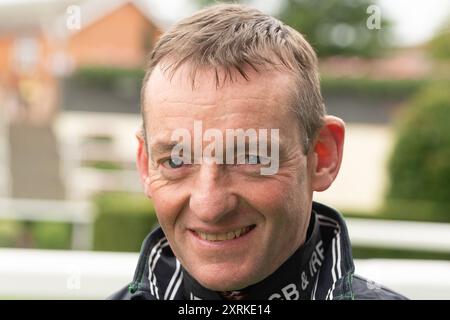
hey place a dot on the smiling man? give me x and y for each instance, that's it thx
(221, 84)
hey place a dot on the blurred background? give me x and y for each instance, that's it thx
(72, 212)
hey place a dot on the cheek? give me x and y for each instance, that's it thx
(168, 203)
(164, 196)
(275, 194)
(285, 204)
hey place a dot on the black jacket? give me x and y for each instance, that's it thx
(322, 268)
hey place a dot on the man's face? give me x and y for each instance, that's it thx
(198, 204)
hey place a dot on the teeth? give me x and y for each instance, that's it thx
(223, 236)
(212, 237)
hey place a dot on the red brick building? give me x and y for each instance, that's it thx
(40, 41)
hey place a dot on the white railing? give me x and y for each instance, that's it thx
(426, 236)
(75, 131)
(57, 274)
(416, 279)
(53, 274)
(78, 213)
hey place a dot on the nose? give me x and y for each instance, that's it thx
(211, 200)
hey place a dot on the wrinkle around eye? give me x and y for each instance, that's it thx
(157, 180)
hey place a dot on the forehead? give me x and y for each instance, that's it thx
(174, 100)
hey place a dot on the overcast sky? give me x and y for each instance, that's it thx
(415, 20)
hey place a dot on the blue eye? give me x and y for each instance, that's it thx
(174, 163)
(253, 159)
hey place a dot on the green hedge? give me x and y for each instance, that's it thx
(439, 46)
(373, 88)
(123, 221)
(39, 235)
(52, 235)
(9, 231)
(419, 168)
(389, 253)
(102, 165)
(108, 77)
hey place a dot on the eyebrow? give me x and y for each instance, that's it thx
(160, 147)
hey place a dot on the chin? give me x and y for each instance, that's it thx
(224, 281)
(223, 285)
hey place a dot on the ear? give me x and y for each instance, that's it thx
(327, 150)
(142, 163)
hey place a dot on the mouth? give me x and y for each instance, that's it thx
(230, 235)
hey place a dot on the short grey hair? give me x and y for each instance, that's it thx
(232, 36)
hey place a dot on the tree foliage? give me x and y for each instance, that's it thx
(336, 27)
(419, 169)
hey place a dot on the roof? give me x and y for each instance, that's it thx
(24, 16)
(50, 15)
